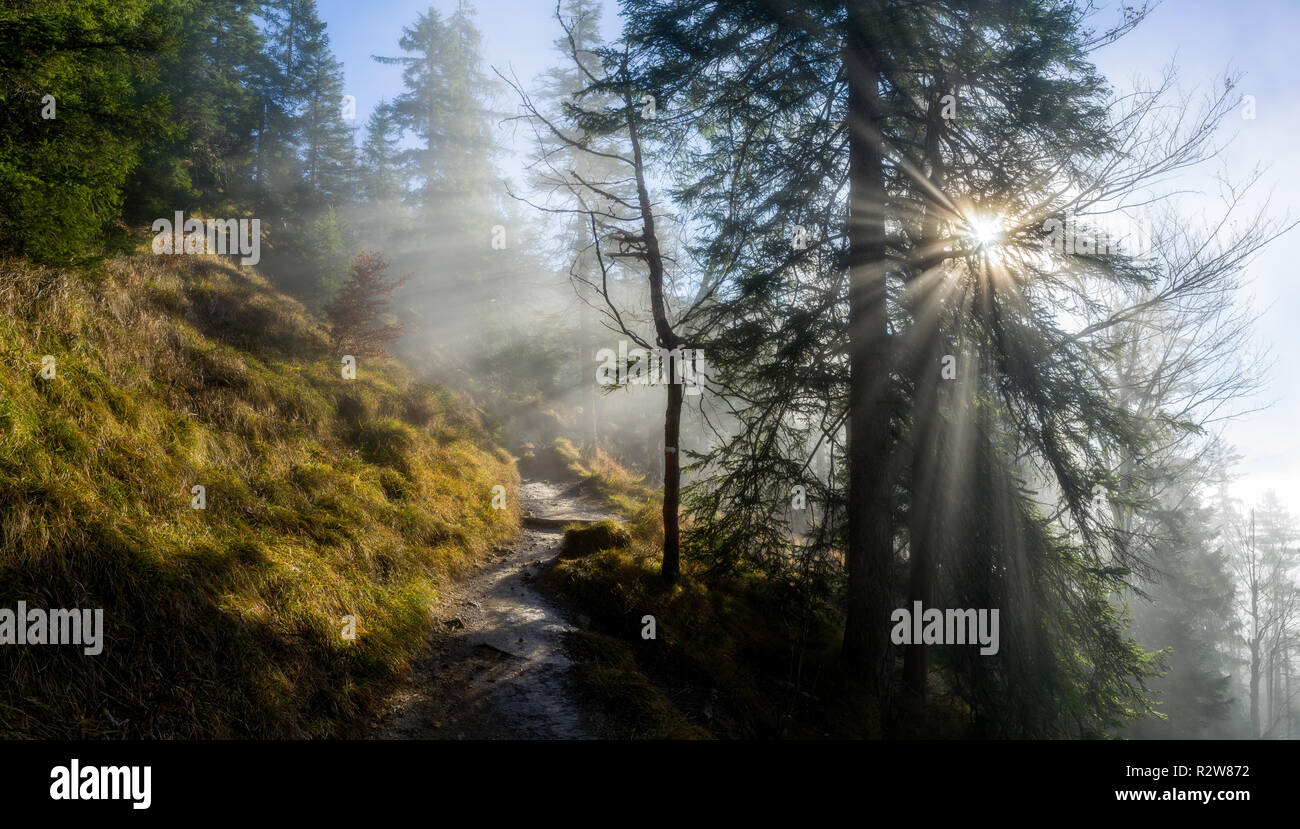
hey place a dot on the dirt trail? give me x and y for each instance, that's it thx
(500, 671)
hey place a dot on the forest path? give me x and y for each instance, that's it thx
(497, 669)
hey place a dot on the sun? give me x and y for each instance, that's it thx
(986, 231)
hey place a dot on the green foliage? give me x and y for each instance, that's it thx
(214, 82)
(383, 181)
(62, 178)
(1029, 424)
(310, 257)
(444, 117)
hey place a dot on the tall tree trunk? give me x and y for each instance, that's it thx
(870, 538)
(1286, 673)
(259, 179)
(1254, 689)
(916, 656)
(1271, 694)
(672, 472)
(1255, 636)
(924, 365)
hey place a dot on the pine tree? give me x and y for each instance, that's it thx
(563, 84)
(1189, 611)
(913, 260)
(452, 186)
(360, 304)
(443, 107)
(79, 106)
(305, 152)
(325, 137)
(312, 139)
(382, 177)
(206, 159)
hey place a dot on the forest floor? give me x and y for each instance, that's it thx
(497, 668)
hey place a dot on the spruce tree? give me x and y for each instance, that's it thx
(453, 189)
(79, 106)
(923, 240)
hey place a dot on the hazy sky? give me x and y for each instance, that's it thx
(1204, 38)
(1256, 38)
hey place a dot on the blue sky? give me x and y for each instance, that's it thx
(1203, 37)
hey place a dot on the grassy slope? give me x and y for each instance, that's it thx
(325, 498)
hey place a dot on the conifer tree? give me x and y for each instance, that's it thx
(306, 154)
(452, 187)
(78, 108)
(381, 161)
(361, 303)
(832, 119)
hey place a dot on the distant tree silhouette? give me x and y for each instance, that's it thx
(362, 302)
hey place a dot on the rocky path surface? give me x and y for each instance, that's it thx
(499, 670)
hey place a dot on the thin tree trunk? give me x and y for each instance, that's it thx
(667, 339)
(1254, 689)
(259, 183)
(1254, 667)
(1272, 686)
(1286, 669)
(920, 531)
(1255, 637)
(589, 428)
(870, 552)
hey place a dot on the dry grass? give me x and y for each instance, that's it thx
(325, 498)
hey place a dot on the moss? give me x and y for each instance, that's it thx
(583, 540)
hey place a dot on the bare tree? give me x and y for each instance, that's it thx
(610, 124)
(1269, 601)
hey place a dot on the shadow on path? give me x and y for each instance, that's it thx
(497, 668)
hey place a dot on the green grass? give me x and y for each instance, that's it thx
(583, 540)
(628, 495)
(712, 639)
(735, 656)
(608, 673)
(325, 498)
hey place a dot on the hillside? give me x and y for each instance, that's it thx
(325, 498)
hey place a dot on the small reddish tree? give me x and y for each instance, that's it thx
(362, 302)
